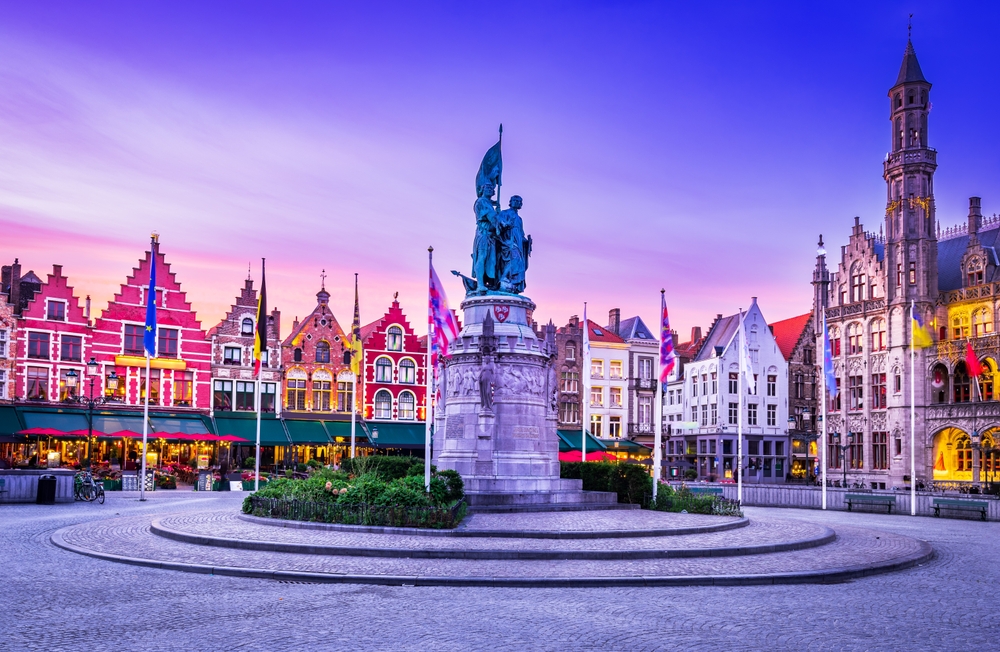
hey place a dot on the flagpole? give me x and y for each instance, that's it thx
(824, 398)
(145, 419)
(913, 411)
(739, 426)
(429, 403)
(354, 409)
(260, 345)
(658, 409)
(585, 399)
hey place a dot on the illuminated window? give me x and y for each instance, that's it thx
(570, 382)
(394, 339)
(321, 395)
(878, 335)
(407, 406)
(407, 371)
(154, 387)
(295, 396)
(383, 405)
(183, 387)
(615, 369)
(38, 383)
(383, 370)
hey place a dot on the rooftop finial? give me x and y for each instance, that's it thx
(248, 271)
(909, 27)
(322, 279)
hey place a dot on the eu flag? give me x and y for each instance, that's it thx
(149, 336)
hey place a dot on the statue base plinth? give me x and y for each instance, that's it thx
(501, 435)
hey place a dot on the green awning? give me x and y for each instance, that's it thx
(342, 430)
(59, 419)
(9, 421)
(111, 423)
(569, 440)
(272, 432)
(186, 424)
(626, 446)
(306, 431)
(393, 434)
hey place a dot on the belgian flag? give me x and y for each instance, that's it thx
(260, 336)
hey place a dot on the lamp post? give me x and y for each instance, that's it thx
(842, 448)
(375, 437)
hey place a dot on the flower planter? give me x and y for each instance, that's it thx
(112, 485)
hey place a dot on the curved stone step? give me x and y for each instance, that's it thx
(856, 552)
(226, 530)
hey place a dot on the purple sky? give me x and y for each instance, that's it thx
(655, 144)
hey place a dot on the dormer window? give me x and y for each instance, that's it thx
(394, 338)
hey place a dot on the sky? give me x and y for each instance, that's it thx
(700, 149)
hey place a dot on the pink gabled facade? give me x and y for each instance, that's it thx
(53, 337)
(394, 373)
(182, 370)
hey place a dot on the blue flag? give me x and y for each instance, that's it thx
(831, 377)
(149, 336)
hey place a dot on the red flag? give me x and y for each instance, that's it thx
(971, 361)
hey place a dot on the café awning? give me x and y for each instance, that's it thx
(244, 425)
(570, 440)
(393, 434)
(307, 431)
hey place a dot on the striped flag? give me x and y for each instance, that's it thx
(921, 337)
(444, 326)
(260, 335)
(355, 345)
(746, 360)
(668, 357)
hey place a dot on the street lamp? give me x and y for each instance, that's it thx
(72, 381)
(375, 437)
(842, 448)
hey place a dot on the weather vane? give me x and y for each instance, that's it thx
(322, 278)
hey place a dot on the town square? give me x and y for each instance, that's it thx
(709, 363)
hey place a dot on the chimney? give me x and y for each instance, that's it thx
(975, 214)
(15, 287)
(86, 308)
(574, 321)
(695, 333)
(275, 323)
(295, 323)
(614, 320)
(57, 270)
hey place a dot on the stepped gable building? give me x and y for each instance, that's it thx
(53, 338)
(393, 377)
(709, 398)
(313, 357)
(952, 279)
(796, 340)
(234, 386)
(180, 374)
(8, 335)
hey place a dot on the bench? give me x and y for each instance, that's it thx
(960, 505)
(870, 499)
(706, 491)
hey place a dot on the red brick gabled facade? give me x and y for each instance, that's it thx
(394, 371)
(53, 337)
(181, 372)
(233, 382)
(313, 356)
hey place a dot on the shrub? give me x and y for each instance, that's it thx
(454, 485)
(249, 462)
(314, 464)
(385, 466)
(631, 482)
(301, 468)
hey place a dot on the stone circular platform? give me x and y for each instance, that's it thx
(766, 551)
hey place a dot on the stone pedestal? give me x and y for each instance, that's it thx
(496, 424)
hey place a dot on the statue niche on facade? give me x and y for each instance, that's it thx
(500, 249)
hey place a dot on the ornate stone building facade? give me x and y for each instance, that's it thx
(951, 280)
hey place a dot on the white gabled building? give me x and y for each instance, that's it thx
(708, 394)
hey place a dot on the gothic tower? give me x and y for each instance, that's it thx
(911, 242)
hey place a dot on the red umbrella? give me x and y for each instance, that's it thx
(232, 438)
(85, 433)
(125, 434)
(41, 432)
(596, 456)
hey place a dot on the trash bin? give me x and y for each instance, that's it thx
(46, 490)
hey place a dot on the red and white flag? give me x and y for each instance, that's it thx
(668, 357)
(444, 326)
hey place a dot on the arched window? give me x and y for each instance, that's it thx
(835, 341)
(407, 406)
(990, 458)
(939, 384)
(899, 133)
(394, 338)
(963, 453)
(383, 370)
(247, 326)
(323, 352)
(963, 388)
(570, 351)
(986, 379)
(878, 335)
(855, 339)
(297, 355)
(383, 404)
(982, 322)
(960, 327)
(407, 371)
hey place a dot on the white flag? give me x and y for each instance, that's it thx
(745, 357)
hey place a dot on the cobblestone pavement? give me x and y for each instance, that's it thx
(57, 600)
(227, 524)
(603, 520)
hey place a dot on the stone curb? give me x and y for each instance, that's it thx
(157, 528)
(926, 553)
(502, 534)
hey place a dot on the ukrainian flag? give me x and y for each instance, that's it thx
(921, 336)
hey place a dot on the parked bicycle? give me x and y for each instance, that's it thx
(86, 487)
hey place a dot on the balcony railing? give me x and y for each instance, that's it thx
(640, 429)
(644, 384)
